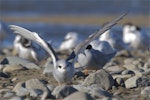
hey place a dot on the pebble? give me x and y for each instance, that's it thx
(79, 96)
(9, 94)
(36, 88)
(63, 91)
(132, 82)
(120, 81)
(123, 53)
(100, 77)
(114, 69)
(144, 81)
(146, 91)
(20, 89)
(4, 75)
(127, 72)
(48, 69)
(97, 92)
(147, 66)
(16, 98)
(11, 68)
(122, 76)
(130, 67)
(14, 60)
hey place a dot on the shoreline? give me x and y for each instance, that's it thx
(141, 20)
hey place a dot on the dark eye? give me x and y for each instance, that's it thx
(59, 66)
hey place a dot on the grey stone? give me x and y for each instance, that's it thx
(5, 75)
(3, 91)
(138, 72)
(122, 76)
(128, 60)
(20, 89)
(16, 98)
(10, 68)
(1, 67)
(114, 69)
(51, 87)
(127, 72)
(100, 77)
(146, 91)
(63, 91)
(97, 92)
(147, 66)
(36, 88)
(130, 67)
(81, 88)
(79, 96)
(124, 53)
(144, 81)
(13, 60)
(48, 69)
(9, 94)
(120, 81)
(132, 82)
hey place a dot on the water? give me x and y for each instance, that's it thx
(56, 32)
(73, 7)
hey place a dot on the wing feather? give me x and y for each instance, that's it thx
(79, 48)
(36, 38)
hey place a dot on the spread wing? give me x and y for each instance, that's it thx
(36, 38)
(85, 43)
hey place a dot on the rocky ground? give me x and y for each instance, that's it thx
(127, 76)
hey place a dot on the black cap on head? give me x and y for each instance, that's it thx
(138, 28)
(25, 42)
(89, 47)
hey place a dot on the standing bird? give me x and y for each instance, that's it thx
(63, 70)
(70, 41)
(24, 48)
(114, 39)
(135, 38)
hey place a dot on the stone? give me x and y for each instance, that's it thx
(48, 69)
(100, 77)
(9, 94)
(130, 67)
(36, 88)
(120, 81)
(11, 68)
(16, 98)
(146, 91)
(20, 89)
(144, 81)
(79, 96)
(132, 82)
(128, 60)
(122, 76)
(127, 72)
(97, 92)
(13, 60)
(114, 69)
(3, 91)
(81, 88)
(1, 67)
(5, 75)
(51, 87)
(63, 91)
(123, 53)
(147, 66)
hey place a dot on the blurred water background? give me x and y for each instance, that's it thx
(52, 19)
